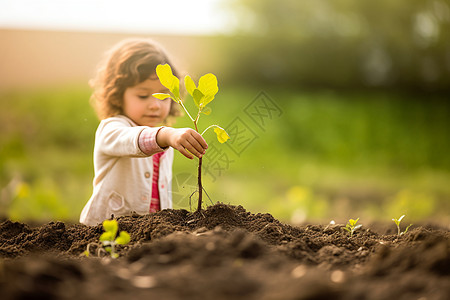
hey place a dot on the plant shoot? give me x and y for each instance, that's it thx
(109, 239)
(397, 222)
(351, 226)
(202, 94)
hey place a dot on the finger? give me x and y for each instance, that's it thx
(198, 137)
(183, 151)
(189, 147)
(196, 144)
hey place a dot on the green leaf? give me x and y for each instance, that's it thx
(198, 97)
(161, 96)
(207, 111)
(165, 75)
(111, 226)
(353, 222)
(107, 236)
(190, 85)
(176, 90)
(406, 230)
(207, 84)
(123, 238)
(167, 79)
(206, 100)
(222, 135)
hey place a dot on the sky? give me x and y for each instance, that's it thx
(198, 17)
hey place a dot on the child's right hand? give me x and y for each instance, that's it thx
(186, 140)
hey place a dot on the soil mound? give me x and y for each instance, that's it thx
(222, 252)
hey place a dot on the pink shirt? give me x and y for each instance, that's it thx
(148, 145)
(154, 203)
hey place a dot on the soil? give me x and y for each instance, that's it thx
(223, 252)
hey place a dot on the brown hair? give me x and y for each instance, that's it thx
(128, 63)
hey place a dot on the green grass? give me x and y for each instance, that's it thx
(327, 156)
(46, 164)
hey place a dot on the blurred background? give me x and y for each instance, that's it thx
(336, 109)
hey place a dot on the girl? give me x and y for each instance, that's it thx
(133, 152)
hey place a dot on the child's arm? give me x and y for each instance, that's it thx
(186, 140)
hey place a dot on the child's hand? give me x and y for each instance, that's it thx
(186, 140)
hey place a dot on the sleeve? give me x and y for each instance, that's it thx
(116, 137)
(147, 141)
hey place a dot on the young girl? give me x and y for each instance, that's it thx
(133, 152)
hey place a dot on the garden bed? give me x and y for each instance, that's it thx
(223, 252)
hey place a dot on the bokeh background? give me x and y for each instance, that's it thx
(337, 109)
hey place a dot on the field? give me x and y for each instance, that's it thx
(224, 252)
(299, 164)
(320, 155)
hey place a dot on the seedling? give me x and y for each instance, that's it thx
(202, 94)
(109, 239)
(397, 222)
(351, 226)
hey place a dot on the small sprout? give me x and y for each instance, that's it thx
(351, 226)
(397, 222)
(109, 240)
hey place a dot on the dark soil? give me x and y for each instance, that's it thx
(224, 252)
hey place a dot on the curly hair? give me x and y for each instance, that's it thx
(130, 62)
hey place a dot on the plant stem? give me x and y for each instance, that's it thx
(190, 117)
(200, 187)
(211, 126)
(198, 116)
(207, 129)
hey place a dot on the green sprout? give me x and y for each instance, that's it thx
(202, 94)
(109, 239)
(351, 226)
(397, 222)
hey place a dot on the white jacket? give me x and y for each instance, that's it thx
(123, 173)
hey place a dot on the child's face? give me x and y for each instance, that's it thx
(141, 107)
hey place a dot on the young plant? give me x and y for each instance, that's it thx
(109, 239)
(351, 226)
(202, 94)
(397, 222)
